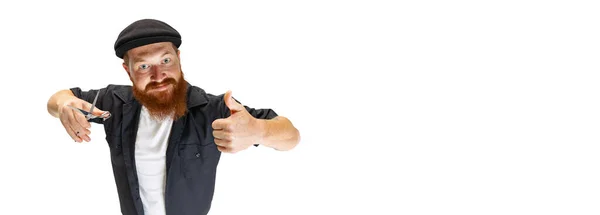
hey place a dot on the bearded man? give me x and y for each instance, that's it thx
(165, 135)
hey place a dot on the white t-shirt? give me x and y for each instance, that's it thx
(150, 153)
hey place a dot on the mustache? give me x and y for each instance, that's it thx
(153, 85)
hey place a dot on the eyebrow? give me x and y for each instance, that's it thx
(138, 59)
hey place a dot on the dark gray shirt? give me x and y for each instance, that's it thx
(192, 156)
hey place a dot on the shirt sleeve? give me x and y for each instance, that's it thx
(89, 96)
(263, 113)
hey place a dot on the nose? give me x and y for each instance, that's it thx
(157, 73)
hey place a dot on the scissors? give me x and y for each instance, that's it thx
(88, 114)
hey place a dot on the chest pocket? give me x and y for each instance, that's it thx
(197, 150)
(198, 160)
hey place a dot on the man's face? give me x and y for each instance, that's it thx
(158, 83)
(152, 66)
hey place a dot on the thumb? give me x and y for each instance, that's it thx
(98, 112)
(87, 106)
(233, 105)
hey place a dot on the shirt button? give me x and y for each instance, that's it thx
(197, 155)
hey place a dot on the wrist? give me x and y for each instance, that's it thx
(262, 130)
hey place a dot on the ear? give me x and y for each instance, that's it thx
(179, 58)
(126, 69)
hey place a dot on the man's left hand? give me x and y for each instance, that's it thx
(238, 131)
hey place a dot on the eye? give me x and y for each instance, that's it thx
(144, 66)
(166, 60)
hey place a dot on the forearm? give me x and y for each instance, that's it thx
(279, 133)
(58, 98)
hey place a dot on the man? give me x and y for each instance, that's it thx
(166, 135)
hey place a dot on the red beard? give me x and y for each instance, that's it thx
(168, 103)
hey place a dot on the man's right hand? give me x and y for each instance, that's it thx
(74, 121)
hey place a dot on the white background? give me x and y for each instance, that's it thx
(435, 107)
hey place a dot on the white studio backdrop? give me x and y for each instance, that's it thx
(404, 107)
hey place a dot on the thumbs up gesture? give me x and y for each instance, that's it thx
(238, 131)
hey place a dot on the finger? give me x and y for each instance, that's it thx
(233, 105)
(81, 120)
(224, 143)
(74, 122)
(86, 106)
(72, 126)
(224, 149)
(77, 136)
(70, 131)
(85, 137)
(221, 124)
(222, 134)
(98, 112)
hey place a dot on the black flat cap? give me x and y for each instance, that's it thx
(144, 32)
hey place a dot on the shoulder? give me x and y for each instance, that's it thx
(123, 92)
(197, 92)
(210, 102)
